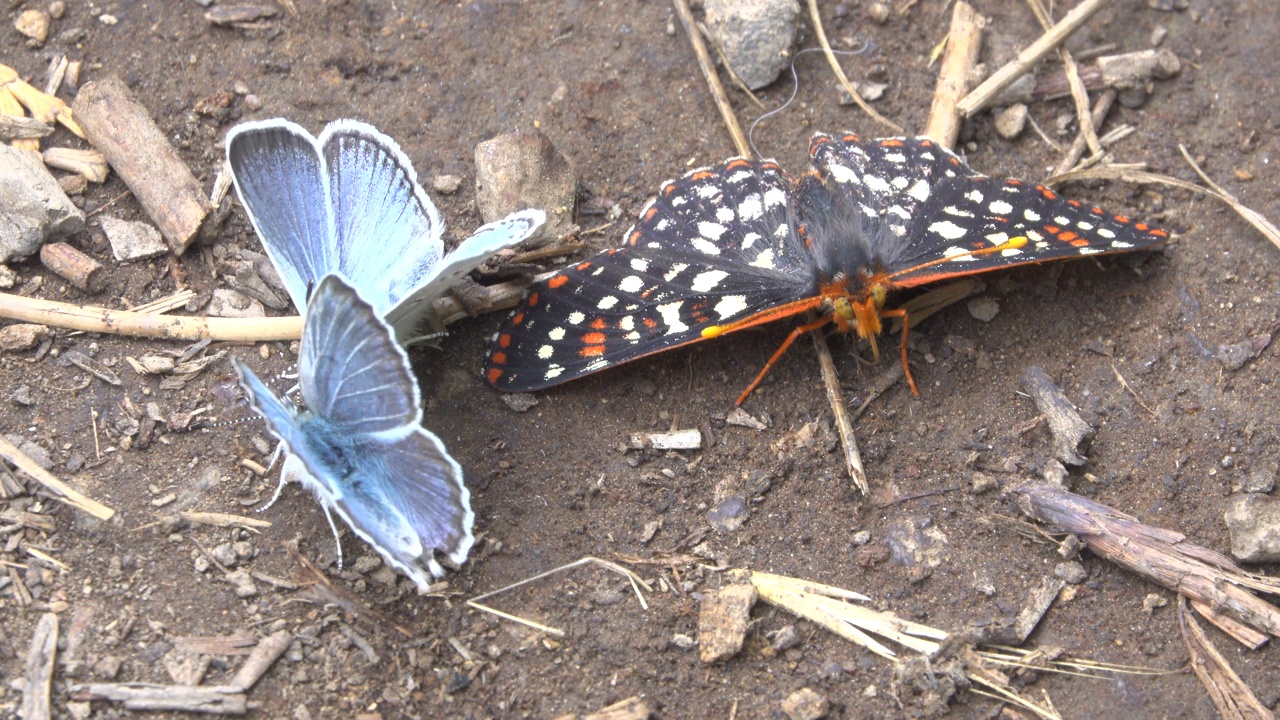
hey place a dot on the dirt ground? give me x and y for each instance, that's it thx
(614, 85)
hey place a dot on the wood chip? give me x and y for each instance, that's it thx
(239, 643)
(36, 685)
(677, 440)
(223, 520)
(1070, 432)
(93, 367)
(73, 266)
(261, 659)
(213, 700)
(723, 621)
(123, 131)
(61, 490)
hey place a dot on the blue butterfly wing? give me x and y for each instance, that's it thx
(281, 420)
(409, 501)
(280, 179)
(482, 244)
(352, 372)
(388, 230)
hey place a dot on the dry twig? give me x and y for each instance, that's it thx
(60, 490)
(1230, 694)
(964, 41)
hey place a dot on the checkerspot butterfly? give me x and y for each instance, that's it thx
(735, 246)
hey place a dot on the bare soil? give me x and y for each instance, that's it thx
(614, 85)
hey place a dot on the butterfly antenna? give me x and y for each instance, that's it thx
(795, 88)
(427, 339)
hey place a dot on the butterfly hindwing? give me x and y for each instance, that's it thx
(716, 246)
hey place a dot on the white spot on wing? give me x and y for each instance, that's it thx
(1064, 222)
(774, 197)
(1103, 232)
(842, 174)
(556, 334)
(1082, 225)
(576, 318)
(1089, 250)
(898, 158)
(1010, 252)
(553, 372)
(877, 185)
(707, 281)
(707, 192)
(948, 229)
(749, 239)
(606, 302)
(544, 352)
(1119, 244)
(1031, 215)
(631, 284)
(974, 196)
(639, 264)
(919, 191)
(711, 231)
(900, 212)
(671, 316)
(765, 259)
(674, 271)
(751, 207)
(596, 364)
(730, 305)
(953, 210)
(627, 323)
(958, 254)
(900, 183)
(725, 214)
(998, 238)
(704, 246)
(1000, 207)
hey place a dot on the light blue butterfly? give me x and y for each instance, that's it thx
(359, 446)
(349, 202)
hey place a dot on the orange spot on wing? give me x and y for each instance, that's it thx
(1096, 211)
(504, 340)
(582, 267)
(635, 238)
(1049, 194)
(649, 215)
(891, 142)
(1160, 233)
(702, 175)
(650, 323)
(736, 164)
(926, 143)
(517, 318)
(599, 324)
(1073, 203)
(1068, 236)
(1142, 226)
(591, 351)
(1122, 219)
(1079, 242)
(1012, 182)
(494, 374)
(558, 281)
(498, 358)
(593, 338)
(1052, 229)
(533, 300)
(850, 137)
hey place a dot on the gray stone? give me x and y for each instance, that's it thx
(1072, 572)
(132, 240)
(38, 454)
(1262, 480)
(34, 24)
(786, 638)
(1253, 522)
(523, 170)
(729, 514)
(806, 704)
(8, 278)
(446, 184)
(23, 336)
(33, 208)
(754, 35)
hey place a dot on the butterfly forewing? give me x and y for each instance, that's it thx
(280, 181)
(281, 420)
(352, 373)
(716, 246)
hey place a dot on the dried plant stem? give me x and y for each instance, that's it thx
(60, 490)
(844, 425)
(839, 71)
(1101, 107)
(713, 80)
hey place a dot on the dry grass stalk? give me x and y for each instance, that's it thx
(816, 18)
(60, 490)
(1137, 174)
(223, 520)
(1079, 95)
(89, 163)
(1099, 113)
(1230, 694)
(1162, 556)
(839, 409)
(1019, 66)
(42, 106)
(39, 677)
(964, 41)
(636, 584)
(713, 80)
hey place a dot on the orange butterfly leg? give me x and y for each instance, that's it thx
(777, 355)
(906, 370)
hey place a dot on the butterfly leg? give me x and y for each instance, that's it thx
(906, 369)
(777, 355)
(337, 541)
(283, 479)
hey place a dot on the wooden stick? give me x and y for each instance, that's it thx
(61, 490)
(844, 424)
(713, 80)
(124, 132)
(261, 660)
(839, 71)
(1070, 431)
(211, 700)
(39, 678)
(964, 42)
(1079, 95)
(978, 99)
(73, 266)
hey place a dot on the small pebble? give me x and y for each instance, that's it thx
(984, 309)
(108, 19)
(1072, 572)
(1011, 121)
(57, 9)
(1153, 601)
(252, 103)
(446, 184)
(806, 704)
(682, 641)
(786, 638)
(878, 12)
(862, 537)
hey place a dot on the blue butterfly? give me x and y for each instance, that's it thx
(359, 446)
(349, 202)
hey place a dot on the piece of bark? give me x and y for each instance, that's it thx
(723, 621)
(36, 685)
(1230, 694)
(124, 132)
(676, 440)
(1158, 554)
(633, 708)
(211, 700)
(261, 659)
(22, 128)
(74, 266)
(1070, 433)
